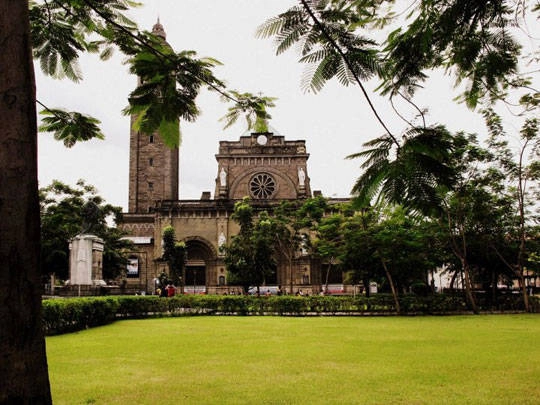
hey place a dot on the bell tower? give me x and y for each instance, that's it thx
(153, 166)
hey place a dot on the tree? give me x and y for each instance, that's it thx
(55, 33)
(412, 176)
(402, 244)
(174, 253)
(22, 343)
(250, 255)
(475, 42)
(521, 175)
(288, 235)
(390, 245)
(254, 108)
(468, 158)
(264, 248)
(329, 242)
(332, 41)
(278, 235)
(63, 217)
(293, 224)
(480, 213)
(358, 253)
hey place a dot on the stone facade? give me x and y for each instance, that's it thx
(263, 166)
(268, 174)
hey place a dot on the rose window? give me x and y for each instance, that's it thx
(262, 186)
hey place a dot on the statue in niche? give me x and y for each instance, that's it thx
(301, 177)
(221, 239)
(304, 245)
(223, 177)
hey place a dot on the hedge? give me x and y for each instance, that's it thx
(73, 314)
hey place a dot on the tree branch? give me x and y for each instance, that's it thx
(140, 39)
(350, 67)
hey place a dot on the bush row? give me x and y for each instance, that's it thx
(72, 314)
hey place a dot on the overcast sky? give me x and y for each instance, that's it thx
(334, 123)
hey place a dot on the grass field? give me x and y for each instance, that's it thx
(321, 360)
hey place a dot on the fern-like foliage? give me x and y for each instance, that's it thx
(412, 175)
(70, 127)
(473, 38)
(56, 43)
(169, 81)
(62, 30)
(330, 46)
(169, 85)
(253, 108)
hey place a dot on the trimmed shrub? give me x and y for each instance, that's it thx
(73, 314)
(140, 306)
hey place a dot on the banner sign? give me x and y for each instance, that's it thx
(133, 267)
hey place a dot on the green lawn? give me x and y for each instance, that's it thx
(324, 360)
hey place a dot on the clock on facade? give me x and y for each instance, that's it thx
(262, 139)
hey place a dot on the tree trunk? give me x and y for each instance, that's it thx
(468, 286)
(22, 344)
(327, 275)
(392, 287)
(365, 281)
(461, 254)
(183, 283)
(289, 261)
(453, 280)
(522, 236)
(524, 292)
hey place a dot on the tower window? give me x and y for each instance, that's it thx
(150, 185)
(151, 162)
(151, 139)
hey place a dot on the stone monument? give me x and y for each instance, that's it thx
(86, 260)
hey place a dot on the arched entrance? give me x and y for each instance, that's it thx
(199, 255)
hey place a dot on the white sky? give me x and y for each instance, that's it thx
(334, 123)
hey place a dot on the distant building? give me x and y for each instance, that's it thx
(263, 166)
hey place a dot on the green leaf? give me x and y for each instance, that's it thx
(253, 108)
(170, 133)
(70, 127)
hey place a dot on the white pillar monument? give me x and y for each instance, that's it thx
(86, 260)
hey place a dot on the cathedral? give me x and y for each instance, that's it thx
(265, 167)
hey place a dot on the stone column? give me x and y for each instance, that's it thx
(86, 260)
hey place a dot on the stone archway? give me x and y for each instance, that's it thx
(199, 265)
